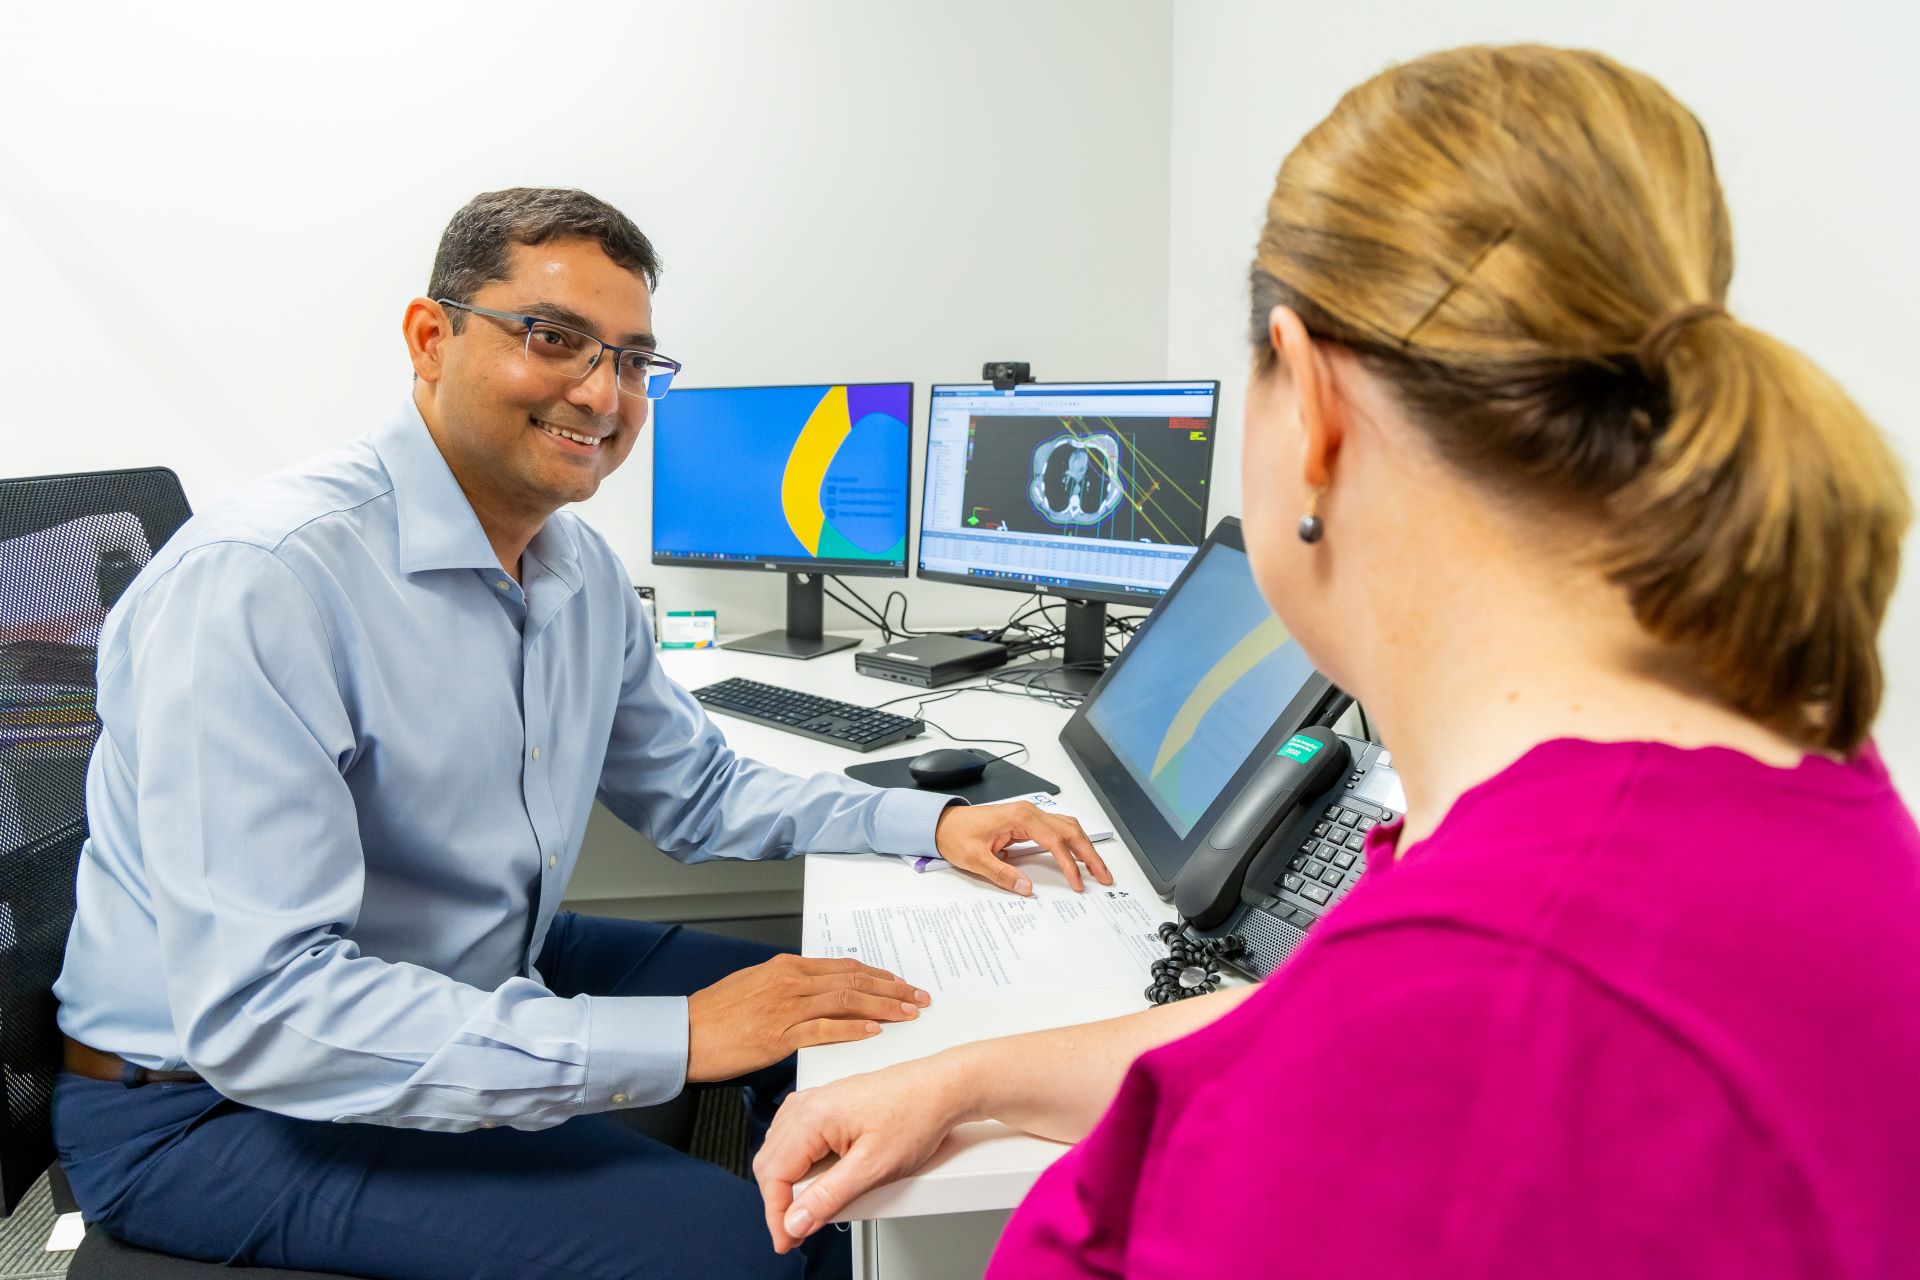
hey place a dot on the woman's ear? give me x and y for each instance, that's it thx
(1322, 426)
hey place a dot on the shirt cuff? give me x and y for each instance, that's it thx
(636, 1051)
(903, 821)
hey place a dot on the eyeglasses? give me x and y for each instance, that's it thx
(572, 355)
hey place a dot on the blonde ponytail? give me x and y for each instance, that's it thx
(1531, 246)
(1763, 534)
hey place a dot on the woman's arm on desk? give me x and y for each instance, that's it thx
(884, 1125)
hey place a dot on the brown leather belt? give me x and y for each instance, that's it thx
(83, 1060)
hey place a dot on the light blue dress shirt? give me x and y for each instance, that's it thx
(344, 771)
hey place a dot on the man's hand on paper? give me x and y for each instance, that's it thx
(883, 1126)
(757, 1016)
(975, 837)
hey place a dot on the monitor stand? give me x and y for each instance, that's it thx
(1083, 658)
(806, 602)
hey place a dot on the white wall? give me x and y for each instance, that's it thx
(212, 215)
(1812, 116)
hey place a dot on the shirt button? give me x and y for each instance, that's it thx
(503, 584)
(553, 860)
(619, 1099)
(536, 753)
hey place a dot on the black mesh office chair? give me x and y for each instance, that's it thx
(69, 545)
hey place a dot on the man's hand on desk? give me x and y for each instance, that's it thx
(756, 1017)
(975, 837)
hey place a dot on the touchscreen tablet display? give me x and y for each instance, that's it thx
(1200, 688)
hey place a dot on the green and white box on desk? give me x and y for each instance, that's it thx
(690, 629)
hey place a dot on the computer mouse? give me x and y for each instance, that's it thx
(946, 767)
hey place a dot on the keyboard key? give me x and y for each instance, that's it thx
(1343, 860)
(1348, 817)
(1317, 893)
(1300, 917)
(1292, 883)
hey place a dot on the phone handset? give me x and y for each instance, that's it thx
(1309, 761)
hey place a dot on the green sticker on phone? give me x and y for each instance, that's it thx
(1300, 747)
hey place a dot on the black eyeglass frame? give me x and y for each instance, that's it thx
(652, 359)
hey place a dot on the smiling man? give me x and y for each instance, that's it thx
(321, 1009)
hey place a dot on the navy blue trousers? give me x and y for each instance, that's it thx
(179, 1169)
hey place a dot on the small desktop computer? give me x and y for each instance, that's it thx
(800, 480)
(1094, 493)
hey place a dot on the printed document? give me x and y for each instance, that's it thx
(1060, 942)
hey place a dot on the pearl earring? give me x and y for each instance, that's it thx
(1310, 524)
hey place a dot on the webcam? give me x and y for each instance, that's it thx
(1005, 375)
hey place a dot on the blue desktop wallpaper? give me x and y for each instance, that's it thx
(783, 473)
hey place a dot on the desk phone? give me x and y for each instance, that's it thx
(1209, 742)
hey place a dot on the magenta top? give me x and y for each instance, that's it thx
(1630, 1011)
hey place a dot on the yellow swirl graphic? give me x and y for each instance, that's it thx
(1233, 664)
(807, 467)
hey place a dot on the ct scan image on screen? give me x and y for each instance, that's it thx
(1200, 688)
(1132, 479)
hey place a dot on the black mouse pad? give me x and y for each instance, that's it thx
(1001, 781)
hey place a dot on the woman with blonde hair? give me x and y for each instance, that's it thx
(1635, 990)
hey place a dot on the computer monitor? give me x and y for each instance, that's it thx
(1094, 492)
(803, 480)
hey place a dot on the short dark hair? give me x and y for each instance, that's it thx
(473, 248)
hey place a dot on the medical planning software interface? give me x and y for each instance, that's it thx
(783, 474)
(1067, 484)
(1200, 688)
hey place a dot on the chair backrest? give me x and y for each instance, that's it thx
(69, 545)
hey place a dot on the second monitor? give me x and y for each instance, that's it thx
(1092, 492)
(802, 480)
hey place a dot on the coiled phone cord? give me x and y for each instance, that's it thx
(1192, 965)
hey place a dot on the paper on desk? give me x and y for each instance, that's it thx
(1044, 801)
(1062, 942)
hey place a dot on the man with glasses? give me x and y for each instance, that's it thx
(321, 1009)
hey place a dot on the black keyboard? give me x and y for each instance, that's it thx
(822, 719)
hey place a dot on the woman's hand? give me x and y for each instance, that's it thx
(883, 1126)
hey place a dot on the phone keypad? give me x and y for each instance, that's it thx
(1327, 864)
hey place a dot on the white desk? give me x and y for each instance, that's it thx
(941, 1221)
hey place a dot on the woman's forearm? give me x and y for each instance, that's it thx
(1058, 1083)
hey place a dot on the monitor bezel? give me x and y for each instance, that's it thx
(800, 564)
(1136, 819)
(1142, 599)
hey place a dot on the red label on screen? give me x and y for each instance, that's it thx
(1187, 424)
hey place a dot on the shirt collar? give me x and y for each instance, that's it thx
(438, 529)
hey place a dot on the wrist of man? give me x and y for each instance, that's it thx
(953, 806)
(906, 822)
